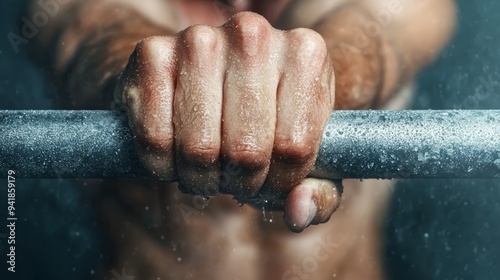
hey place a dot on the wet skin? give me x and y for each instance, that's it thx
(237, 107)
(194, 113)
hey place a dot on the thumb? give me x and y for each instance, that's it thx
(313, 201)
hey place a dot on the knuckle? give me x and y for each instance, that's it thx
(249, 18)
(329, 203)
(156, 138)
(310, 46)
(294, 152)
(252, 32)
(152, 56)
(149, 47)
(250, 159)
(201, 39)
(130, 95)
(200, 155)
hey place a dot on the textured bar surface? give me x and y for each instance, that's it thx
(356, 144)
(411, 144)
(67, 144)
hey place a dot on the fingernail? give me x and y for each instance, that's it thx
(312, 213)
(307, 215)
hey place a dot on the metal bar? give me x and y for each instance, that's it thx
(356, 144)
(67, 144)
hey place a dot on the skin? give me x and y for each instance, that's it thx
(233, 107)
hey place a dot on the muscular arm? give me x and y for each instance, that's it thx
(377, 46)
(89, 43)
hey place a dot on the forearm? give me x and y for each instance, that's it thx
(358, 61)
(376, 46)
(90, 42)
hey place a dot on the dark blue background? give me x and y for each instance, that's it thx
(437, 229)
(450, 229)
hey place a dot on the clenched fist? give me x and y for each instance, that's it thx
(243, 95)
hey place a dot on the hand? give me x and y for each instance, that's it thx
(245, 96)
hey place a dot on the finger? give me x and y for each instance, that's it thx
(304, 103)
(198, 110)
(147, 85)
(313, 201)
(249, 113)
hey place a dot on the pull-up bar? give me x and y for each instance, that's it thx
(356, 144)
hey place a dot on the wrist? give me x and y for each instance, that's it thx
(359, 76)
(92, 73)
(88, 45)
(88, 78)
(357, 55)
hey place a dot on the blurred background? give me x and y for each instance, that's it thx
(436, 229)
